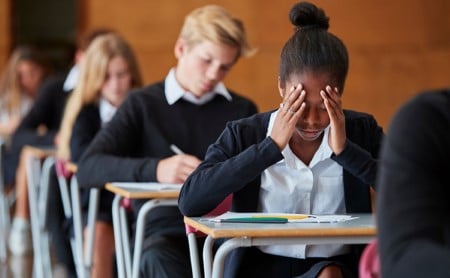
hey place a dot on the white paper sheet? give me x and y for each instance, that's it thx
(148, 186)
(294, 218)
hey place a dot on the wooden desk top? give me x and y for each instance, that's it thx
(140, 192)
(364, 225)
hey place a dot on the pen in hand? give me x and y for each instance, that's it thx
(175, 149)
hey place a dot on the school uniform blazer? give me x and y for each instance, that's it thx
(86, 126)
(234, 163)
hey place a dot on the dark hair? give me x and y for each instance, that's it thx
(312, 47)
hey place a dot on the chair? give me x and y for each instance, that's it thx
(65, 172)
(6, 201)
(38, 174)
(192, 235)
(369, 264)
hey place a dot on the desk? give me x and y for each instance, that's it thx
(163, 197)
(357, 231)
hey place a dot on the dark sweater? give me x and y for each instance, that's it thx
(414, 190)
(86, 126)
(139, 135)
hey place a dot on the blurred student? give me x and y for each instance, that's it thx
(414, 190)
(39, 128)
(107, 75)
(308, 156)
(187, 109)
(26, 70)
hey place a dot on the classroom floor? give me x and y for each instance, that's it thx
(22, 267)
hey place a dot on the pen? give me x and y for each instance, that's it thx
(287, 216)
(175, 149)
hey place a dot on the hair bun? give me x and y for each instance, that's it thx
(305, 15)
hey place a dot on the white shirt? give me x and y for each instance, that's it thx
(290, 186)
(26, 102)
(71, 79)
(174, 91)
(107, 111)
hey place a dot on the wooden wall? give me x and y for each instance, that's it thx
(397, 48)
(4, 33)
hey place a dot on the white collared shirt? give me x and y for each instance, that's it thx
(174, 91)
(71, 79)
(290, 186)
(107, 111)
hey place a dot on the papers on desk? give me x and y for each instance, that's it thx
(147, 186)
(235, 217)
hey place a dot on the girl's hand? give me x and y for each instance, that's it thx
(337, 136)
(290, 111)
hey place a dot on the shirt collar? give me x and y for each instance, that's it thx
(107, 111)
(71, 79)
(174, 91)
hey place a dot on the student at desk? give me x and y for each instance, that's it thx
(308, 156)
(39, 128)
(107, 75)
(188, 109)
(413, 204)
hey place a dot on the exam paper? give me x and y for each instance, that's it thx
(292, 217)
(148, 186)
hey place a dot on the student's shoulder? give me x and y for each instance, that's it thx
(90, 109)
(438, 99)
(240, 98)
(255, 120)
(254, 126)
(426, 107)
(54, 83)
(360, 121)
(151, 91)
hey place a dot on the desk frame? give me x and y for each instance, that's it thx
(357, 231)
(126, 267)
(38, 173)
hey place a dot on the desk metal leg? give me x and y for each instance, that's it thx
(41, 259)
(140, 229)
(126, 249)
(94, 196)
(82, 271)
(208, 256)
(118, 237)
(224, 250)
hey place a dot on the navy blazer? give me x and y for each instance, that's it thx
(234, 163)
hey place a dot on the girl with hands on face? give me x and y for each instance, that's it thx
(308, 156)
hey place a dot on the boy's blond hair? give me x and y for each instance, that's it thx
(215, 24)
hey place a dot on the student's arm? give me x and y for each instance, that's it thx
(413, 207)
(45, 113)
(84, 130)
(361, 152)
(117, 151)
(239, 156)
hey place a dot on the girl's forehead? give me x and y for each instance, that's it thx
(310, 79)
